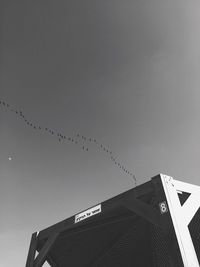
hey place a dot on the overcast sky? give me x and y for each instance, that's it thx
(124, 73)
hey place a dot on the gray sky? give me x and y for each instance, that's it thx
(123, 72)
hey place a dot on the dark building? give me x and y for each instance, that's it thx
(155, 224)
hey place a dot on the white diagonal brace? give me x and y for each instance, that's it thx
(181, 228)
(190, 208)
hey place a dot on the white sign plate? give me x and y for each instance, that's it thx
(88, 213)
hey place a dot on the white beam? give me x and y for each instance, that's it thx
(181, 228)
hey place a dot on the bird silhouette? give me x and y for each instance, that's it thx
(61, 137)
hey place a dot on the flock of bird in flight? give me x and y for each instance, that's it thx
(78, 139)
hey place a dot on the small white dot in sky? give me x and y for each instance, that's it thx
(9, 158)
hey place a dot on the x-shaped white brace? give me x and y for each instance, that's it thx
(182, 215)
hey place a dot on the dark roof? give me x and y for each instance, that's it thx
(125, 232)
(114, 237)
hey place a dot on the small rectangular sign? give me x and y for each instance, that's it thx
(88, 213)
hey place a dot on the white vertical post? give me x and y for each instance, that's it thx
(181, 220)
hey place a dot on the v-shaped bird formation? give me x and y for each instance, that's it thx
(78, 139)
